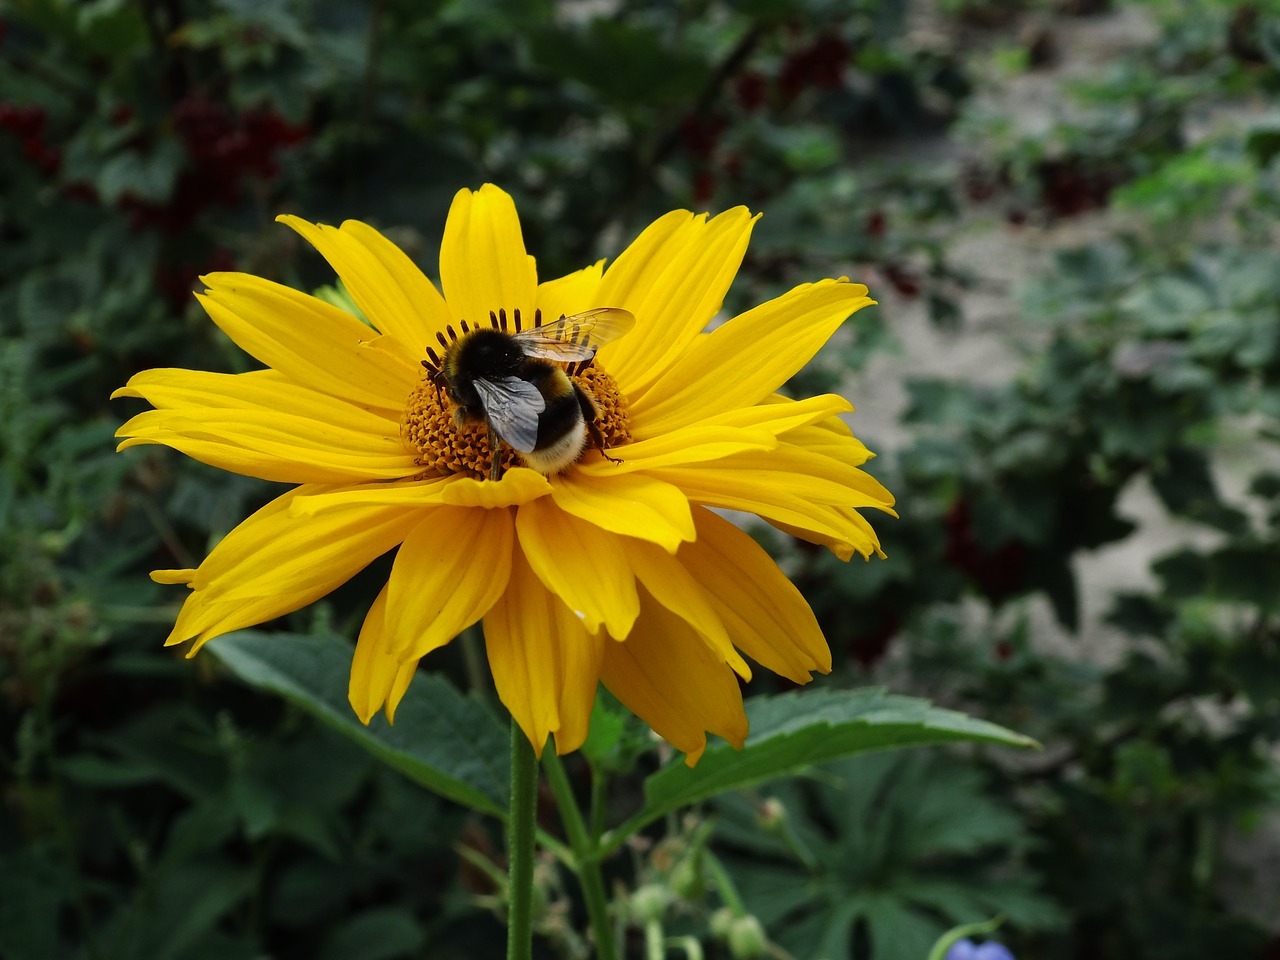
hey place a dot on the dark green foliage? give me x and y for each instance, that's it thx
(878, 856)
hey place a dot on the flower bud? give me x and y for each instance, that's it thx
(650, 902)
(720, 923)
(772, 816)
(746, 938)
(687, 881)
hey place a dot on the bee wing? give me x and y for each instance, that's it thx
(576, 337)
(512, 406)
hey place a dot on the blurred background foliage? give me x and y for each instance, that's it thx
(155, 808)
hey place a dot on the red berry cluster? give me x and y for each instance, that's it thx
(1071, 186)
(225, 150)
(27, 123)
(818, 63)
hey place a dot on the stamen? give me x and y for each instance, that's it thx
(517, 321)
(444, 344)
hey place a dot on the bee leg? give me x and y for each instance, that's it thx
(495, 454)
(590, 416)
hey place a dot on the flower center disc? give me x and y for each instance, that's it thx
(444, 446)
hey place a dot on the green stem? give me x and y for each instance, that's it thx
(724, 884)
(521, 827)
(587, 859)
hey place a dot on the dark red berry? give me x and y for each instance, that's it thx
(704, 186)
(752, 90)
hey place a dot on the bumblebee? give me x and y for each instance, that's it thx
(513, 381)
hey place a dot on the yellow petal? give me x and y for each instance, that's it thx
(673, 277)
(451, 568)
(377, 677)
(692, 444)
(518, 485)
(674, 683)
(390, 291)
(633, 505)
(831, 438)
(782, 415)
(735, 431)
(787, 486)
(483, 264)
(545, 664)
(767, 617)
(747, 358)
(274, 563)
(308, 341)
(183, 577)
(788, 471)
(196, 392)
(261, 425)
(574, 293)
(583, 565)
(407, 494)
(668, 581)
(414, 294)
(857, 534)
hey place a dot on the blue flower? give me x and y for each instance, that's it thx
(968, 950)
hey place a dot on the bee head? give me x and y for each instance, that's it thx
(487, 352)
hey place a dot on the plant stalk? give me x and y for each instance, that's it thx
(522, 824)
(587, 859)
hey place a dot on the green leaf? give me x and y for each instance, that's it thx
(33, 888)
(795, 731)
(180, 907)
(379, 934)
(442, 739)
(149, 176)
(625, 63)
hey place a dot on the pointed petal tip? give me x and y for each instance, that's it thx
(365, 716)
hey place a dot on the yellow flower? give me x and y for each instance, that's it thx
(617, 570)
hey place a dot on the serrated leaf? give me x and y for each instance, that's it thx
(795, 731)
(441, 739)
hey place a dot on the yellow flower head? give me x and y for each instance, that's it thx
(616, 569)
